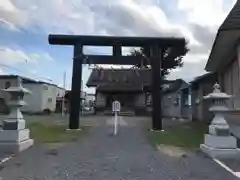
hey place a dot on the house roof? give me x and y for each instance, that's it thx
(225, 40)
(127, 80)
(12, 76)
(27, 80)
(210, 77)
(175, 85)
(232, 21)
(201, 77)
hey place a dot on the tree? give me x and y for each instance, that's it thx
(172, 58)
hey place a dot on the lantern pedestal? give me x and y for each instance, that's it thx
(219, 143)
(14, 137)
(220, 152)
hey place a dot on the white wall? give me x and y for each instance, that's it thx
(88, 98)
(35, 99)
(43, 97)
(60, 91)
(49, 97)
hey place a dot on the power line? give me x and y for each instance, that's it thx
(16, 69)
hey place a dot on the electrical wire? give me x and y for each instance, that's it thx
(16, 69)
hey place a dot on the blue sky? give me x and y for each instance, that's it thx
(25, 25)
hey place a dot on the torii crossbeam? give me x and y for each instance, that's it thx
(154, 45)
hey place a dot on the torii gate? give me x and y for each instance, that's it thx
(154, 46)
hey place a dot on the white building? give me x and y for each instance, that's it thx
(43, 95)
(89, 99)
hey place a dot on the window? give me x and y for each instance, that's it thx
(49, 100)
(7, 85)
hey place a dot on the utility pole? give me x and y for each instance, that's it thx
(63, 99)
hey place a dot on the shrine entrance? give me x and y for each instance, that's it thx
(126, 100)
(154, 47)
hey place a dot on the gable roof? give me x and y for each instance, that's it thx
(232, 21)
(205, 77)
(225, 41)
(175, 85)
(134, 77)
(27, 80)
(127, 80)
(208, 78)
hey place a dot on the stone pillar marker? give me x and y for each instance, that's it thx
(219, 143)
(14, 137)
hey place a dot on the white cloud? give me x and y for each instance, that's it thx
(11, 56)
(11, 15)
(78, 17)
(2, 71)
(41, 56)
(196, 58)
(198, 23)
(7, 5)
(204, 12)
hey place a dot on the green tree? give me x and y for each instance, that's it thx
(172, 58)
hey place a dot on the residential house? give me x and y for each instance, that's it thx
(132, 87)
(89, 99)
(43, 95)
(67, 99)
(185, 93)
(174, 100)
(200, 87)
(224, 59)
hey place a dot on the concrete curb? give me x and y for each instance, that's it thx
(224, 166)
(7, 158)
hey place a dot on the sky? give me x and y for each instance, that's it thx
(25, 26)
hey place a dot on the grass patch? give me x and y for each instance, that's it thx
(43, 133)
(185, 135)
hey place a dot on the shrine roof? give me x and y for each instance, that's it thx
(139, 77)
(128, 80)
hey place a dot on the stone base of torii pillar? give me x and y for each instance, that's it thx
(219, 143)
(14, 137)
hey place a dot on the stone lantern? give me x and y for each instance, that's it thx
(14, 137)
(219, 142)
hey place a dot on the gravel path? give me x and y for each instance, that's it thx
(100, 156)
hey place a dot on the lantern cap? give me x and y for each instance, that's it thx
(217, 94)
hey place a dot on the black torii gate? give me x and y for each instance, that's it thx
(153, 45)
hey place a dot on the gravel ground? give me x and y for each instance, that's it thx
(101, 156)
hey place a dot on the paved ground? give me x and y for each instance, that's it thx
(101, 156)
(232, 164)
